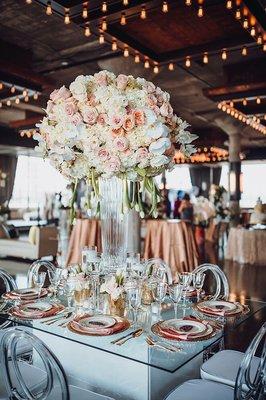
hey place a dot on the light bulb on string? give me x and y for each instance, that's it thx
(244, 51)
(171, 66)
(264, 47)
(1, 85)
(114, 45)
(49, 10)
(188, 2)
(104, 24)
(101, 39)
(146, 64)
(200, 12)
(165, 7)
(125, 2)
(244, 102)
(87, 31)
(231, 104)
(259, 39)
(67, 17)
(8, 103)
(1, 104)
(26, 99)
(13, 89)
(28, 1)
(126, 51)
(188, 62)
(104, 7)
(205, 58)
(229, 4)
(253, 31)
(258, 100)
(137, 58)
(123, 20)
(35, 96)
(224, 55)
(17, 100)
(85, 11)
(238, 14)
(25, 93)
(143, 14)
(245, 23)
(156, 69)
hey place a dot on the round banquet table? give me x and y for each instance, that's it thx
(247, 246)
(173, 241)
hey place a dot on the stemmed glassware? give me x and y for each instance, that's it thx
(55, 278)
(159, 293)
(176, 291)
(93, 269)
(134, 293)
(39, 279)
(198, 281)
(185, 279)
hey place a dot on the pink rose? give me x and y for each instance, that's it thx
(129, 123)
(91, 101)
(102, 118)
(127, 152)
(121, 81)
(103, 154)
(152, 100)
(141, 154)
(113, 164)
(70, 107)
(76, 119)
(101, 78)
(166, 110)
(118, 132)
(90, 115)
(156, 110)
(150, 87)
(139, 117)
(50, 106)
(116, 121)
(62, 93)
(121, 143)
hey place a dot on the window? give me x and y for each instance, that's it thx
(253, 183)
(34, 179)
(178, 179)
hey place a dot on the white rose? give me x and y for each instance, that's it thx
(150, 116)
(157, 131)
(159, 160)
(160, 146)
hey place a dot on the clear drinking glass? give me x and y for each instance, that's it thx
(134, 294)
(198, 281)
(159, 293)
(39, 279)
(94, 270)
(55, 278)
(88, 254)
(176, 292)
(185, 279)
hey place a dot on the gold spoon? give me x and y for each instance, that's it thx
(134, 335)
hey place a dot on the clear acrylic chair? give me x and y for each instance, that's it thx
(23, 381)
(34, 269)
(222, 286)
(250, 381)
(157, 268)
(8, 280)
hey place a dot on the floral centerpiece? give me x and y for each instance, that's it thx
(117, 133)
(114, 288)
(219, 197)
(203, 210)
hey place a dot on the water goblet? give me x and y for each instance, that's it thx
(176, 291)
(55, 278)
(185, 279)
(39, 279)
(198, 281)
(159, 293)
(93, 269)
(134, 293)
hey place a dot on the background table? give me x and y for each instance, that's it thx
(174, 242)
(247, 246)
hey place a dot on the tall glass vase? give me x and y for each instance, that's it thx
(113, 223)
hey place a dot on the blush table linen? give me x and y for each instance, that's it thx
(172, 241)
(247, 246)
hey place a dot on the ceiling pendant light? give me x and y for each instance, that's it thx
(224, 55)
(87, 31)
(137, 58)
(188, 62)
(205, 58)
(244, 51)
(165, 7)
(114, 45)
(171, 66)
(123, 20)
(104, 7)
(143, 14)
(49, 10)
(85, 11)
(126, 51)
(67, 17)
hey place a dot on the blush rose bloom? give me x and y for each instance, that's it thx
(118, 132)
(101, 78)
(90, 115)
(121, 81)
(142, 154)
(103, 154)
(121, 143)
(152, 100)
(62, 93)
(113, 164)
(166, 110)
(116, 121)
(50, 106)
(70, 107)
(91, 100)
(102, 118)
(139, 117)
(76, 119)
(129, 123)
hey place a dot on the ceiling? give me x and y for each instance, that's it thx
(41, 52)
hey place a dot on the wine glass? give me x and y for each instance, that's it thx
(185, 279)
(198, 281)
(134, 293)
(175, 291)
(55, 277)
(159, 293)
(39, 279)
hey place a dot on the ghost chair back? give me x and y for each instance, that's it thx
(222, 286)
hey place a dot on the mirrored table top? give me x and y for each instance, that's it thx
(137, 349)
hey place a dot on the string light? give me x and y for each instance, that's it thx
(259, 39)
(101, 39)
(253, 31)
(231, 104)
(224, 55)
(126, 51)
(264, 47)
(125, 2)
(244, 51)
(165, 7)
(146, 64)
(238, 14)
(205, 58)
(245, 23)
(25, 93)
(104, 24)
(1, 85)
(200, 12)
(156, 69)
(85, 11)
(229, 4)
(13, 89)
(187, 62)
(114, 45)
(171, 66)
(143, 14)
(35, 96)
(123, 20)
(87, 31)
(104, 6)
(28, 1)
(49, 10)
(188, 2)
(67, 17)
(1, 104)
(244, 102)
(137, 58)
(8, 103)
(26, 99)
(17, 100)
(258, 100)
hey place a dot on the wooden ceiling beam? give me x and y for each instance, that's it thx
(26, 123)
(225, 93)
(252, 108)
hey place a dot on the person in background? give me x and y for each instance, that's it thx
(186, 209)
(177, 204)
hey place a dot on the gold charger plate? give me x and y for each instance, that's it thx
(127, 325)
